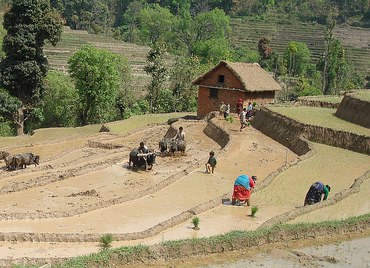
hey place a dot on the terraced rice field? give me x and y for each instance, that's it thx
(355, 40)
(320, 117)
(80, 192)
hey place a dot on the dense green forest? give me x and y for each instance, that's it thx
(196, 32)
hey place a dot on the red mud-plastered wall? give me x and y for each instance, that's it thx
(229, 92)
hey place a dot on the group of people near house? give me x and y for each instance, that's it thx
(244, 113)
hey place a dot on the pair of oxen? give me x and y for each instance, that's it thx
(147, 160)
(18, 161)
(170, 146)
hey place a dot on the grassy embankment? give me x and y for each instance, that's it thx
(117, 127)
(320, 117)
(330, 99)
(231, 241)
(363, 95)
(360, 94)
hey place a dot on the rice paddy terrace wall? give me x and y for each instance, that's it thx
(354, 110)
(304, 101)
(293, 134)
(216, 132)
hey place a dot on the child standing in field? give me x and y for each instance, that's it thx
(210, 165)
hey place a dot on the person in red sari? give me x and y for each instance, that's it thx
(242, 189)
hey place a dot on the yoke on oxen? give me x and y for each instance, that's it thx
(140, 159)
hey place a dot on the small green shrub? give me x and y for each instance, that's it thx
(6, 129)
(105, 241)
(254, 210)
(195, 222)
(229, 119)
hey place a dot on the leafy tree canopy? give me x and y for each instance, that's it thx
(60, 101)
(28, 23)
(297, 56)
(97, 77)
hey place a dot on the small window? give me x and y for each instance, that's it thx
(213, 93)
(221, 78)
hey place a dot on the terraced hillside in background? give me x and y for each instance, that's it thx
(72, 40)
(355, 40)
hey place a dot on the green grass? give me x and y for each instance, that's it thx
(117, 127)
(48, 134)
(140, 121)
(320, 117)
(254, 210)
(195, 222)
(105, 241)
(331, 99)
(363, 95)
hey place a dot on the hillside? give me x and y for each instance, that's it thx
(72, 40)
(355, 40)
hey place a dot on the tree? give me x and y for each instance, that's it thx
(206, 35)
(9, 106)
(125, 98)
(268, 59)
(60, 101)
(264, 49)
(155, 24)
(245, 54)
(2, 34)
(298, 57)
(184, 93)
(333, 63)
(96, 73)
(29, 23)
(131, 21)
(290, 53)
(158, 71)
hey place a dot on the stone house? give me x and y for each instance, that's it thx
(229, 81)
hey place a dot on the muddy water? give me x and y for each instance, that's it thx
(353, 253)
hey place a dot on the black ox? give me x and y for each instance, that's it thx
(21, 161)
(140, 160)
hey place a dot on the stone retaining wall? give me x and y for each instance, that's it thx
(282, 129)
(216, 132)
